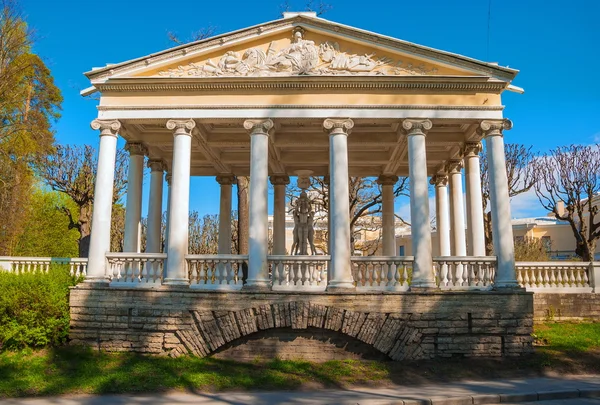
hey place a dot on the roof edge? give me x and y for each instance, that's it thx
(318, 23)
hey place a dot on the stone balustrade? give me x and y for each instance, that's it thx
(390, 273)
(370, 273)
(216, 271)
(19, 265)
(135, 269)
(300, 272)
(465, 273)
(558, 277)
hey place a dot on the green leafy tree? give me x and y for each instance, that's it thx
(29, 103)
(47, 228)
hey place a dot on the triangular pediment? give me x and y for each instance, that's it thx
(300, 46)
(301, 52)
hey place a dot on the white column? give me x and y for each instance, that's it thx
(387, 214)
(457, 214)
(416, 130)
(155, 206)
(442, 213)
(179, 204)
(279, 183)
(225, 214)
(168, 178)
(339, 213)
(103, 195)
(476, 234)
(133, 206)
(500, 202)
(258, 270)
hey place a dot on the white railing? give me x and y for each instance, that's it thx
(556, 277)
(135, 269)
(215, 272)
(20, 265)
(302, 272)
(465, 273)
(382, 272)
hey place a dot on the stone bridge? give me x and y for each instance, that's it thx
(401, 326)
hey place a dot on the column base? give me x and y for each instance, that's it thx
(423, 286)
(511, 285)
(176, 282)
(257, 285)
(340, 286)
(97, 282)
(419, 289)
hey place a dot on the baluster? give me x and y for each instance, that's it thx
(578, 278)
(202, 272)
(321, 272)
(571, 277)
(526, 278)
(559, 277)
(473, 274)
(289, 272)
(443, 274)
(277, 272)
(552, 280)
(465, 273)
(358, 277)
(399, 274)
(586, 280)
(545, 278)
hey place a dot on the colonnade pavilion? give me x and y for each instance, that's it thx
(296, 95)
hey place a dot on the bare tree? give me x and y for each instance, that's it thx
(365, 208)
(72, 170)
(569, 176)
(203, 234)
(521, 179)
(320, 7)
(202, 33)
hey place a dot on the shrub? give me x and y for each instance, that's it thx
(34, 308)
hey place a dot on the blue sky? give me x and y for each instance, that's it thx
(555, 44)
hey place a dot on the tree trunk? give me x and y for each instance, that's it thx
(85, 229)
(243, 184)
(487, 227)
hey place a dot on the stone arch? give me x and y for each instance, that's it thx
(204, 332)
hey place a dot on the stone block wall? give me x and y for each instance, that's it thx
(400, 326)
(566, 307)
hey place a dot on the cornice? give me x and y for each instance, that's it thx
(432, 83)
(307, 106)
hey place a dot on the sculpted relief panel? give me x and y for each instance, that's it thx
(301, 57)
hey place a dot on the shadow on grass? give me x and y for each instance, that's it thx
(72, 370)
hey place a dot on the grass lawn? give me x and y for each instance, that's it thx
(564, 348)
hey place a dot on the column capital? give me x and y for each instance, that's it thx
(255, 127)
(387, 180)
(439, 180)
(471, 149)
(454, 166)
(156, 165)
(181, 127)
(106, 127)
(136, 148)
(338, 126)
(280, 180)
(493, 127)
(226, 179)
(168, 178)
(416, 126)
